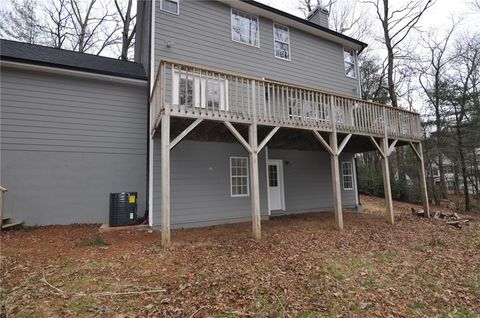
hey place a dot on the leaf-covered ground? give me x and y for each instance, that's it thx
(301, 268)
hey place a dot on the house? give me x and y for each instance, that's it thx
(252, 112)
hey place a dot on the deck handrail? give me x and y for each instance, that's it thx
(302, 106)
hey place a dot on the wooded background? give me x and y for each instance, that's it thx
(434, 71)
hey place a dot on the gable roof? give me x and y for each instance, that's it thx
(59, 58)
(297, 22)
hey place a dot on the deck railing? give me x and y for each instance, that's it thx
(186, 90)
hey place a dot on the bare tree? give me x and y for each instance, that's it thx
(57, 22)
(397, 24)
(463, 98)
(129, 27)
(21, 23)
(432, 80)
(94, 27)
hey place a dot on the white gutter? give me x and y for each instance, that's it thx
(67, 72)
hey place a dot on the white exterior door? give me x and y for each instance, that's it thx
(275, 185)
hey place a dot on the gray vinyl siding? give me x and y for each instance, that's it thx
(308, 181)
(67, 142)
(142, 36)
(201, 34)
(200, 185)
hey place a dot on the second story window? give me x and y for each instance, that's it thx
(245, 28)
(281, 37)
(170, 6)
(350, 64)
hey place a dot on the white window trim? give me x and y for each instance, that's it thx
(248, 179)
(349, 175)
(258, 28)
(355, 63)
(200, 85)
(178, 7)
(289, 45)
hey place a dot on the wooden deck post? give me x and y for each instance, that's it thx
(417, 149)
(254, 182)
(165, 185)
(337, 193)
(387, 188)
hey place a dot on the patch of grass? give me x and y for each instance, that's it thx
(436, 242)
(384, 256)
(309, 314)
(463, 313)
(81, 305)
(339, 277)
(418, 305)
(97, 241)
(227, 314)
(369, 282)
(473, 286)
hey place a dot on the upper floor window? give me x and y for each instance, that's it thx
(350, 63)
(245, 28)
(281, 37)
(171, 6)
(347, 173)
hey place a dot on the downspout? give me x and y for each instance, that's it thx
(150, 139)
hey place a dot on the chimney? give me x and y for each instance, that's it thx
(319, 15)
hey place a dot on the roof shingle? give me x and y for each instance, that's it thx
(47, 56)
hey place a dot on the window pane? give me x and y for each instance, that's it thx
(213, 94)
(349, 59)
(170, 6)
(239, 176)
(281, 50)
(244, 28)
(186, 92)
(281, 34)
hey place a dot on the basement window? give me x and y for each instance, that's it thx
(170, 6)
(347, 175)
(239, 177)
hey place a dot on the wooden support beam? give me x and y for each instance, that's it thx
(392, 147)
(378, 146)
(337, 194)
(344, 143)
(239, 137)
(323, 142)
(165, 184)
(386, 182)
(417, 154)
(422, 178)
(182, 135)
(254, 183)
(267, 139)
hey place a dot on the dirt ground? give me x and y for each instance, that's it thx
(302, 267)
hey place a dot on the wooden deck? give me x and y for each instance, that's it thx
(191, 91)
(201, 94)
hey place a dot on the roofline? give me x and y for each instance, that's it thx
(28, 65)
(304, 21)
(76, 68)
(68, 67)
